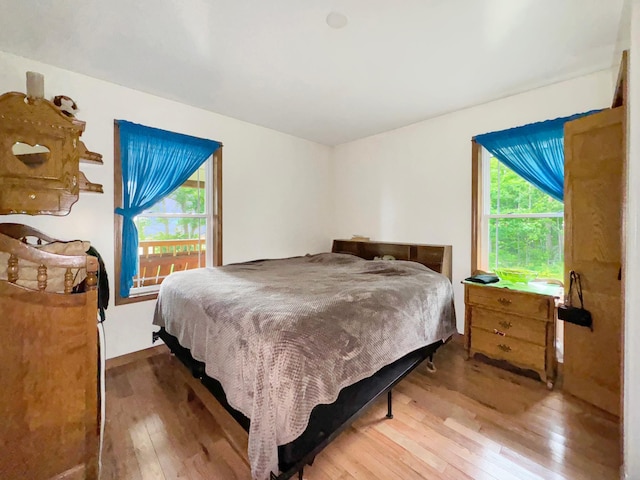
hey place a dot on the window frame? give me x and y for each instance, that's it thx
(480, 209)
(214, 231)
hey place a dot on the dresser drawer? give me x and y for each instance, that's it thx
(515, 351)
(505, 300)
(534, 331)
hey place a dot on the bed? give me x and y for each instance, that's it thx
(301, 346)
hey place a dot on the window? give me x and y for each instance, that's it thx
(517, 225)
(179, 230)
(176, 233)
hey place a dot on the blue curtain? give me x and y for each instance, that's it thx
(534, 151)
(154, 163)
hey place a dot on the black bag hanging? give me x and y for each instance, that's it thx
(576, 315)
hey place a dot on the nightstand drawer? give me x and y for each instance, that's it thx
(505, 300)
(534, 331)
(515, 351)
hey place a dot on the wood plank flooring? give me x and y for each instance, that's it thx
(468, 420)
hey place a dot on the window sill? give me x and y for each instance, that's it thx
(141, 297)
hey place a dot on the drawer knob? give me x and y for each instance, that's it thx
(504, 324)
(498, 332)
(504, 348)
(504, 301)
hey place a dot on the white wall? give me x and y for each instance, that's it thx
(414, 184)
(632, 267)
(275, 186)
(283, 195)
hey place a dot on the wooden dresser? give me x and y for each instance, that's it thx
(513, 326)
(49, 420)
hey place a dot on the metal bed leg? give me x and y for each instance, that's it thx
(389, 405)
(430, 366)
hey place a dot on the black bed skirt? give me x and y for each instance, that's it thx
(327, 421)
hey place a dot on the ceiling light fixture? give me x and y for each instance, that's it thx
(337, 20)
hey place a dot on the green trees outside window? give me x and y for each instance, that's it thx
(525, 226)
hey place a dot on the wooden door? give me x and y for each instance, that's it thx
(594, 199)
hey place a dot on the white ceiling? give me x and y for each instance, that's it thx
(277, 63)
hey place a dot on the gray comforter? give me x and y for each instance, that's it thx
(283, 336)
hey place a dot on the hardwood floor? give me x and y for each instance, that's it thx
(467, 421)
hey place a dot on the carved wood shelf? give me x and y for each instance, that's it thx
(87, 186)
(40, 153)
(89, 157)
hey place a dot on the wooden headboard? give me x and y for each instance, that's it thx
(436, 257)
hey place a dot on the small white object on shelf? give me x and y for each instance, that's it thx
(35, 85)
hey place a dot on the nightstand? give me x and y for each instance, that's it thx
(513, 324)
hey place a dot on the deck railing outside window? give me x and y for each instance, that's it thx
(159, 258)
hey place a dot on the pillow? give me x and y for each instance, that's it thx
(28, 271)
